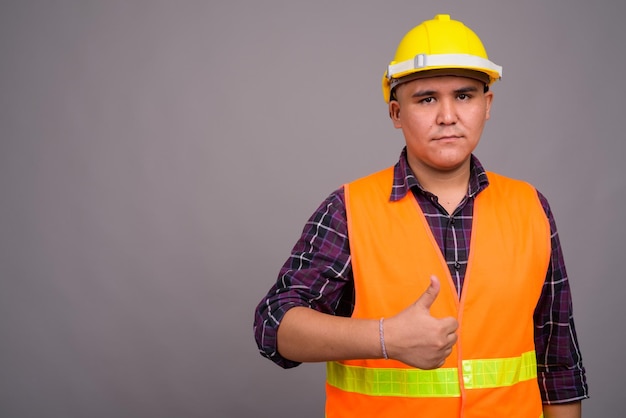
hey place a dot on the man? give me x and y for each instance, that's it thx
(432, 288)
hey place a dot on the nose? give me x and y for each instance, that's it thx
(447, 112)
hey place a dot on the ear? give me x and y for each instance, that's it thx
(488, 101)
(394, 113)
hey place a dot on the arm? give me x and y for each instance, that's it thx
(568, 410)
(560, 370)
(306, 335)
(317, 275)
(304, 315)
(412, 336)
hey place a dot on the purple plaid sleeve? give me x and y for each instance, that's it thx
(314, 276)
(560, 370)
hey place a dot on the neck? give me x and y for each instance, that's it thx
(450, 186)
(435, 180)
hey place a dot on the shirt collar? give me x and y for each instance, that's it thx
(404, 179)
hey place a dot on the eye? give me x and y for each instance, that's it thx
(427, 100)
(464, 97)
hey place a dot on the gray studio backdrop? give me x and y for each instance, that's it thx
(158, 160)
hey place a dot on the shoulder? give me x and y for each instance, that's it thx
(334, 203)
(509, 185)
(499, 181)
(505, 180)
(379, 183)
(385, 174)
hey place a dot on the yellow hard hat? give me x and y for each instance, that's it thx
(441, 44)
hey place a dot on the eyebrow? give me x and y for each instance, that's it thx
(423, 93)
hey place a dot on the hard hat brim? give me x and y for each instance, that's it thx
(441, 72)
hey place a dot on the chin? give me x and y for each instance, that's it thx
(451, 164)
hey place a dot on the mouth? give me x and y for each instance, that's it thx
(447, 138)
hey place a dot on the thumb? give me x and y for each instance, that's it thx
(429, 296)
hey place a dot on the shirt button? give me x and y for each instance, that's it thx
(457, 266)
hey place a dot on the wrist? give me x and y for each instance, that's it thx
(381, 334)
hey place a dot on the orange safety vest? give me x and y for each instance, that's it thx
(492, 371)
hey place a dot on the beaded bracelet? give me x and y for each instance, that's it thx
(382, 338)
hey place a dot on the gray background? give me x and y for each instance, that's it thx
(158, 160)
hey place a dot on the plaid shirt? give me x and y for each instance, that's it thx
(318, 275)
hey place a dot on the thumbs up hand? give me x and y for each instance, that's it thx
(418, 339)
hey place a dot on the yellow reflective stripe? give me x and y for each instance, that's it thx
(410, 383)
(493, 373)
(414, 383)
